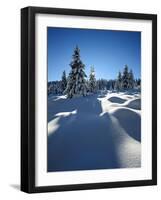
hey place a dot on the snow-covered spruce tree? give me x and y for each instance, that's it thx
(76, 82)
(56, 88)
(118, 83)
(131, 80)
(50, 86)
(63, 81)
(125, 78)
(112, 86)
(138, 81)
(87, 84)
(92, 81)
(102, 84)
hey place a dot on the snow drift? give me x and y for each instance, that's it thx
(94, 132)
(130, 121)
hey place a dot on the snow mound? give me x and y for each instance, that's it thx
(130, 121)
(128, 97)
(101, 96)
(94, 132)
(135, 104)
(116, 99)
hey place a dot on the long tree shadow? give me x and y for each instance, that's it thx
(83, 141)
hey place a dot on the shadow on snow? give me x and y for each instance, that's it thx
(83, 140)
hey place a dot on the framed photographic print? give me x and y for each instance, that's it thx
(88, 99)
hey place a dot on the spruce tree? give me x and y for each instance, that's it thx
(125, 78)
(118, 83)
(92, 81)
(139, 82)
(131, 79)
(64, 81)
(76, 82)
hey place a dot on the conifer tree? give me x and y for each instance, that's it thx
(118, 83)
(125, 78)
(76, 82)
(64, 81)
(92, 81)
(139, 82)
(131, 80)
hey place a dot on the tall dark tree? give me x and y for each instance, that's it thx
(118, 83)
(138, 82)
(64, 81)
(76, 82)
(92, 81)
(125, 78)
(112, 84)
(131, 79)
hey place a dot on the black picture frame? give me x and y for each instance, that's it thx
(28, 98)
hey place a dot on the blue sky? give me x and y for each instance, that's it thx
(108, 51)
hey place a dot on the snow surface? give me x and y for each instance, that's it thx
(101, 131)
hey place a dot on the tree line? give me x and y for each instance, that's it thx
(77, 84)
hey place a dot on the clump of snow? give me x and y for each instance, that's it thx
(65, 114)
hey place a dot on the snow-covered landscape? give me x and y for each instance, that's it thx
(94, 109)
(100, 131)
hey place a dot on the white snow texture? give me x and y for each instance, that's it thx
(100, 131)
